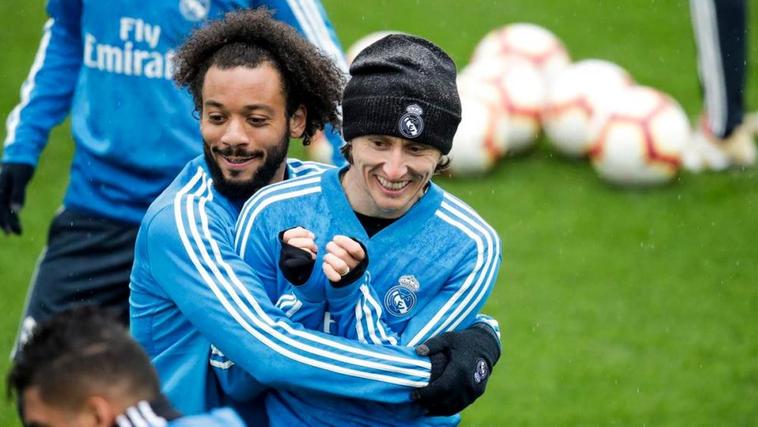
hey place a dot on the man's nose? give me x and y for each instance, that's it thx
(235, 133)
(395, 165)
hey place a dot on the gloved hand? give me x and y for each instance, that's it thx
(461, 364)
(14, 177)
(298, 255)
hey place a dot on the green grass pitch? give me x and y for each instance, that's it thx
(617, 307)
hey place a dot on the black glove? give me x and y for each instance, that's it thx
(461, 364)
(14, 177)
(295, 263)
(356, 272)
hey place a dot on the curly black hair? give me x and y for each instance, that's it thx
(250, 37)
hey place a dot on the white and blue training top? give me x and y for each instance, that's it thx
(190, 289)
(429, 272)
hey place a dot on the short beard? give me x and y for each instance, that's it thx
(243, 190)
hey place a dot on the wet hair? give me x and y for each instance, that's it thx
(78, 353)
(442, 166)
(250, 38)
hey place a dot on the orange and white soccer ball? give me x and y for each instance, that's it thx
(364, 42)
(479, 141)
(640, 139)
(527, 42)
(575, 97)
(519, 92)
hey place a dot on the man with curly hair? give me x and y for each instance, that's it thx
(256, 83)
(109, 64)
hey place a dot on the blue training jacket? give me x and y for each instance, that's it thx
(429, 272)
(109, 64)
(190, 289)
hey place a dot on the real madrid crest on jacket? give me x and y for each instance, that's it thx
(429, 272)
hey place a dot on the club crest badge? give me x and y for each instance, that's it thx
(401, 298)
(481, 372)
(194, 10)
(411, 124)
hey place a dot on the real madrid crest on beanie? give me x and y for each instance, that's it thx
(403, 86)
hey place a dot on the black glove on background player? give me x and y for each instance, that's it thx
(461, 365)
(14, 177)
(295, 263)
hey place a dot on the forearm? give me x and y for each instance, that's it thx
(224, 299)
(47, 92)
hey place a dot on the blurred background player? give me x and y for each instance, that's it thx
(110, 65)
(724, 137)
(81, 368)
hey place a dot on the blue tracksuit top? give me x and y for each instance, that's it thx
(109, 64)
(190, 289)
(429, 272)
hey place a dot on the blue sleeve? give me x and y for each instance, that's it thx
(233, 381)
(236, 382)
(358, 312)
(303, 304)
(193, 256)
(48, 90)
(491, 323)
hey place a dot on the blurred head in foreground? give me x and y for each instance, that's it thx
(80, 368)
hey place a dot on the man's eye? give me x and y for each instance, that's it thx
(215, 118)
(416, 149)
(256, 121)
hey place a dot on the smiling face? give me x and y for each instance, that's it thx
(388, 174)
(245, 127)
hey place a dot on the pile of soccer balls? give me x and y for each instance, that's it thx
(521, 81)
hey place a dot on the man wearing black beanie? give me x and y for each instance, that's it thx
(433, 260)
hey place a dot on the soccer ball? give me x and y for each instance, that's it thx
(575, 96)
(519, 90)
(527, 42)
(639, 139)
(479, 141)
(365, 42)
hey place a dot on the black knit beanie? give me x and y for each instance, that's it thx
(403, 86)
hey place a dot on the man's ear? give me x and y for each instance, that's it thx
(297, 122)
(100, 411)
